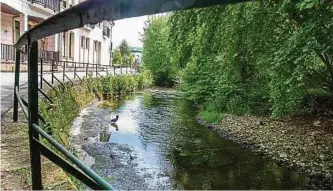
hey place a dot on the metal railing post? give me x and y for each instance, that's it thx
(87, 69)
(63, 71)
(52, 71)
(33, 116)
(74, 70)
(41, 73)
(16, 84)
(96, 69)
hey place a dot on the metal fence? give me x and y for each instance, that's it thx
(8, 54)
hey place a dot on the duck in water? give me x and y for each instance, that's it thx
(114, 120)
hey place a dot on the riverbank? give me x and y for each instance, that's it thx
(302, 144)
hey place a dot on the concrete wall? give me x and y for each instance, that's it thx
(6, 29)
(50, 43)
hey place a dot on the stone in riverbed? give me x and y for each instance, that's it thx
(322, 157)
(283, 155)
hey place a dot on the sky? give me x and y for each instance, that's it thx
(128, 29)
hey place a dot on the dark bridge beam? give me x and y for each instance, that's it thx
(96, 11)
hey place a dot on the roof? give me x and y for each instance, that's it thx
(96, 11)
(136, 49)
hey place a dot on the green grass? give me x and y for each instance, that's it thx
(318, 92)
(210, 116)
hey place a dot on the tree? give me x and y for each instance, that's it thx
(254, 57)
(125, 51)
(132, 60)
(156, 50)
(117, 58)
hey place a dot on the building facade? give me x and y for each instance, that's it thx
(89, 44)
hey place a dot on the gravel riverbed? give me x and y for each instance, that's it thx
(302, 144)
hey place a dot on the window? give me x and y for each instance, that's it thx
(99, 48)
(83, 40)
(64, 43)
(71, 44)
(106, 31)
(87, 43)
(16, 30)
(64, 4)
(95, 45)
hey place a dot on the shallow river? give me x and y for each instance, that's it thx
(157, 144)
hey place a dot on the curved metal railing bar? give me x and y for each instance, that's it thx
(96, 11)
(91, 174)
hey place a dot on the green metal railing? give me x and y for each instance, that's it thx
(69, 163)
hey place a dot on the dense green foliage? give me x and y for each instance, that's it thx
(262, 57)
(156, 50)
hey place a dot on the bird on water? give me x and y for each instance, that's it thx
(115, 119)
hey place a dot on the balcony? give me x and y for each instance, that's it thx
(51, 4)
(8, 54)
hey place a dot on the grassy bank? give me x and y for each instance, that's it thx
(212, 117)
(68, 102)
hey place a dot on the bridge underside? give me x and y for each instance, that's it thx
(96, 11)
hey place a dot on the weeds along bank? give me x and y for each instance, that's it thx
(69, 100)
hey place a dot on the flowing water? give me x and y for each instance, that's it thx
(157, 144)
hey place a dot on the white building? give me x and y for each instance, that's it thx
(90, 44)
